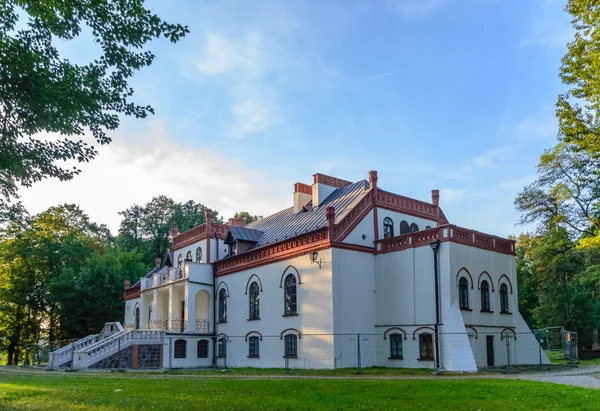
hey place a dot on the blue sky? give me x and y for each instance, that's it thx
(451, 94)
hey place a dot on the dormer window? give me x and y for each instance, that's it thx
(233, 248)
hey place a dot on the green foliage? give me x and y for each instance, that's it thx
(247, 217)
(147, 228)
(40, 92)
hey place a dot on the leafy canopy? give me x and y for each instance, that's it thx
(42, 92)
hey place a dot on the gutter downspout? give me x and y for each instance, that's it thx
(435, 246)
(215, 304)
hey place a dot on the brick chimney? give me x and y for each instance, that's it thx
(302, 196)
(174, 230)
(236, 222)
(208, 216)
(127, 284)
(435, 197)
(157, 262)
(373, 179)
(330, 216)
(324, 185)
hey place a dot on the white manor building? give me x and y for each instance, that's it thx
(347, 268)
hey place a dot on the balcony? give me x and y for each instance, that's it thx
(197, 272)
(179, 325)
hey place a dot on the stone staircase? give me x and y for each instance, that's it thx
(92, 349)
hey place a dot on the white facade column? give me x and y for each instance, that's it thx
(172, 308)
(190, 307)
(154, 305)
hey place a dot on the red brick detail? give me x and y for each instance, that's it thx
(454, 234)
(259, 283)
(394, 329)
(330, 181)
(479, 280)
(422, 328)
(253, 332)
(132, 293)
(395, 202)
(291, 330)
(283, 250)
(157, 262)
(353, 247)
(135, 352)
(236, 222)
(373, 179)
(435, 197)
(468, 273)
(201, 232)
(474, 329)
(508, 329)
(352, 218)
(302, 188)
(507, 279)
(126, 284)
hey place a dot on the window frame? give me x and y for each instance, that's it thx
(200, 350)
(414, 228)
(253, 347)
(199, 254)
(254, 301)
(290, 346)
(177, 349)
(396, 347)
(504, 303)
(188, 256)
(388, 227)
(485, 297)
(290, 296)
(426, 341)
(180, 262)
(222, 313)
(404, 227)
(222, 347)
(463, 293)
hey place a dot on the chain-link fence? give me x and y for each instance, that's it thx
(395, 348)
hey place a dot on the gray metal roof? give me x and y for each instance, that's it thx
(245, 234)
(285, 224)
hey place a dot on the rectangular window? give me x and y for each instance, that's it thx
(291, 345)
(395, 346)
(426, 346)
(203, 349)
(222, 348)
(253, 347)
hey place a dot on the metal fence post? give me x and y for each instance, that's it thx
(506, 336)
(359, 371)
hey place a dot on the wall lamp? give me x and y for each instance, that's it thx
(313, 258)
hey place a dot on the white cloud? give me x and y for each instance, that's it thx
(415, 8)
(538, 126)
(128, 172)
(225, 54)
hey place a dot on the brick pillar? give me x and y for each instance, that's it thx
(135, 359)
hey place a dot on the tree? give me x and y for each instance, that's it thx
(41, 92)
(578, 108)
(247, 217)
(567, 193)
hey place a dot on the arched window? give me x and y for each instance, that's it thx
(504, 298)
(254, 302)
(203, 349)
(291, 346)
(290, 301)
(426, 346)
(137, 317)
(253, 347)
(463, 293)
(180, 262)
(222, 306)
(414, 228)
(404, 227)
(222, 347)
(188, 256)
(396, 346)
(180, 348)
(388, 227)
(485, 296)
(427, 227)
(198, 255)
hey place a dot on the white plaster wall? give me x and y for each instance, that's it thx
(365, 227)
(191, 359)
(130, 311)
(397, 218)
(192, 247)
(315, 313)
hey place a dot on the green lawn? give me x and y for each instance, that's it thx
(557, 357)
(108, 391)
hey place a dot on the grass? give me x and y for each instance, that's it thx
(339, 372)
(111, 391)
(557, 357)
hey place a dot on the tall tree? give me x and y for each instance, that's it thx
(42, 92)
(247, 217)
